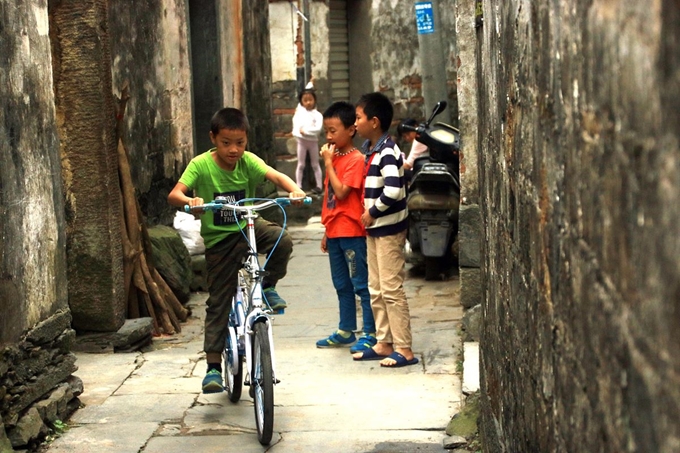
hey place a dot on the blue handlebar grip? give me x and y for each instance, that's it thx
(287, 201)
(187, 208)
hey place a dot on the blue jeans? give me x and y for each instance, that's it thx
(349, 272)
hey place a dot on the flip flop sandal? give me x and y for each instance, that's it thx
(400, 361)
(370, 354)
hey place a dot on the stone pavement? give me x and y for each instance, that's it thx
(150, 401)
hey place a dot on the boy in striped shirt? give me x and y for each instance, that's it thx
(386, 220)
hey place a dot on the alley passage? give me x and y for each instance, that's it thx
(150, 402)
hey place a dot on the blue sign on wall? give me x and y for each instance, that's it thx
(424, 18)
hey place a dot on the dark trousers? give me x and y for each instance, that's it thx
(224, 260)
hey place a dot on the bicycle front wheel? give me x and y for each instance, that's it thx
(262, 378)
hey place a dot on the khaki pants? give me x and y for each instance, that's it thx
(386, 272)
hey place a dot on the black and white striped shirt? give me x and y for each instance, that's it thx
(385, 188)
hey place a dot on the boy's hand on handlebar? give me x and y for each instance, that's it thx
(195, 202)
(299, 194)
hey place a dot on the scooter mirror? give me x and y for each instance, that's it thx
(438, 108)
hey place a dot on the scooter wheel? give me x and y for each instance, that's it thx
(434, 269)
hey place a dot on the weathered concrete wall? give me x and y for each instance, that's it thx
(283, 30)
(360, 24)
(150, 53)
(231, 44)
(469, 217)
(396, 56)
(35, 334)
(579, 120)
(32, 225)
(85, 117)
(283, 25)
(206, 50)
(258, 78)
(174, 94)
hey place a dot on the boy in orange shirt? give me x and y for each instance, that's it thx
(345, 237)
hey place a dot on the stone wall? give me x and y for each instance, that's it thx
(579, 167)
(36, 385)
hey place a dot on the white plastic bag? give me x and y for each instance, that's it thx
(189, 229)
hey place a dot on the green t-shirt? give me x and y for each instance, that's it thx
(208, 181)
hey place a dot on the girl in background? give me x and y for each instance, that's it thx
(307, 124)
(417, 149)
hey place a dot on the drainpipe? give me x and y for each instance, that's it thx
(432, 57)
(302, 45)
(308, 42)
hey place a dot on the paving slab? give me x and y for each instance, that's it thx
(215, 413)
(471, 367)
(383, 441)
(103, 374)
(169, 370)
(139, 384)
(140, 408)
(236, 443)
(104, 438)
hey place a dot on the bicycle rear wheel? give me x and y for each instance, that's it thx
(262, 378)
(233, 375)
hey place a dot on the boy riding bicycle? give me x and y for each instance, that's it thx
(230, 171)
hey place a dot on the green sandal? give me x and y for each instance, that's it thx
(366, 341)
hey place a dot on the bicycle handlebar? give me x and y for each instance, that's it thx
(221, 204)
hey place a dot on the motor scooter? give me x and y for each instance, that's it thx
(434, 195)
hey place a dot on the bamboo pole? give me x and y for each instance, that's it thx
(145, 288)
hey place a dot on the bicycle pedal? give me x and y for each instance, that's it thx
(280, 311)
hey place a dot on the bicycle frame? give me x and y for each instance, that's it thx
(247, 319)
(248, 301)
(255, 310)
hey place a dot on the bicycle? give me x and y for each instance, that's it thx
(250, 336)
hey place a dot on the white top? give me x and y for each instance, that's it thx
(417, 150)
(311, 121)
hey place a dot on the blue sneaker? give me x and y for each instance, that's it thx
(366, 341)
(273, 299)
(335, 340)
(212, 382)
